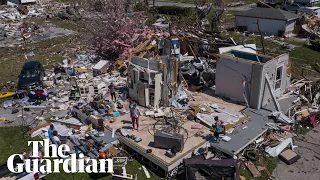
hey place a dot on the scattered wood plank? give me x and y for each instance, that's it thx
(317, 67)
(261, 168)
(252, 168)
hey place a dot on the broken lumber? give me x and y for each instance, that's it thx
(253, 169)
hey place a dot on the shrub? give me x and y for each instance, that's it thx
(174, 10)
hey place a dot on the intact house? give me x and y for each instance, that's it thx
(271, 21)
(253, 79)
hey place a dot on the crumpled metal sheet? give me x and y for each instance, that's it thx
(198, 72)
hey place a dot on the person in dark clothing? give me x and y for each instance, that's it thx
(113, 92)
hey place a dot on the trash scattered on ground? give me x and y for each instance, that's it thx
(163, 97)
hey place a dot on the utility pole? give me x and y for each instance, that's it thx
(261, 38)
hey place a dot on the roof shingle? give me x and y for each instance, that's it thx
(268, 13)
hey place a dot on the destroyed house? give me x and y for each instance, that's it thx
(153, 82)
(253, 79)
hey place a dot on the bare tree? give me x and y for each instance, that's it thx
(261, 37)
(217, 15)
(203, 12)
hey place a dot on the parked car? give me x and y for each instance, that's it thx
(31, 76)
(291, 7)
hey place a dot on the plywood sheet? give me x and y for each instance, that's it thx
(253, 170)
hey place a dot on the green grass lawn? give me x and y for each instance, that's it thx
(304, 58)
(268, 162)
(12, 142)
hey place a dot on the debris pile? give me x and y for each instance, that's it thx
(69, 13)
(185, 93)
(13, 29)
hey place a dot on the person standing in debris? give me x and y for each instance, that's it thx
(75, 140)
(219, 128)
(50, 132)
(113, 92)
(134, 114)
(22, 31)
(56, 139)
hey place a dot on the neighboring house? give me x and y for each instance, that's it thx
(241, 76)
(272, 21)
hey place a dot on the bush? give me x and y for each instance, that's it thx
(140, 6)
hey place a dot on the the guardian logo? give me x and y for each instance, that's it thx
(50, 164)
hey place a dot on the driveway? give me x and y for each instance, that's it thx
(308, 166)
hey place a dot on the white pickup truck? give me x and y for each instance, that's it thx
(5, 173)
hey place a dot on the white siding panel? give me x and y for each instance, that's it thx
(229, 76)
(290, 26)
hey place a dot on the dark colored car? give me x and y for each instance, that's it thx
(31, 75)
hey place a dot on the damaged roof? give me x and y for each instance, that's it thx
(268, 13)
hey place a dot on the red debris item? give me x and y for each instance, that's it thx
(39, 92)
(196, 126)
(313, 118)
(286, 128)
(36, 176)
(102, 155)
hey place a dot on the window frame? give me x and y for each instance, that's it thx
(280, 79)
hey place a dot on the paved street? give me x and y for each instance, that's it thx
(308, 166)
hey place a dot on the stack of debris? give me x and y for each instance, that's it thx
(12, 28)
(94, 95)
